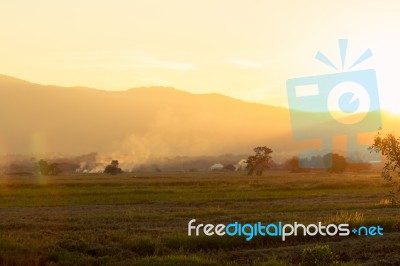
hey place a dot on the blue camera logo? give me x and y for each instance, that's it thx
(344, 103)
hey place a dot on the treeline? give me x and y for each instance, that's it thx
(333, 163)
(86, 163)
(28, 166)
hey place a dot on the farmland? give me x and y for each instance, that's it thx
(142, 218)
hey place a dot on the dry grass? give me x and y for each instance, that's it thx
(141, 219)
(346, 217)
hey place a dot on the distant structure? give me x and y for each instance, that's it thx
(216, 167)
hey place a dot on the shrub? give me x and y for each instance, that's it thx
(143, 246)
(389, 147)
(176, 260)
(335, 163)
(346, 217)
(270, 262)
(318, 255)
(293, 165)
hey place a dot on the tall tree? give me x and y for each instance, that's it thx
(259, 162)
(43, 167)
(389, 146)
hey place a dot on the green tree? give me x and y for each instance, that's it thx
(389, 147)
(259, 162)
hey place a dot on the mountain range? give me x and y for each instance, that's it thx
(139, 124)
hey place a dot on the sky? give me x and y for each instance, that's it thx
(243, 49)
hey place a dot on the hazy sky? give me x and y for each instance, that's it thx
(245, 49)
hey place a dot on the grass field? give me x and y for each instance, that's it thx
(141, 219)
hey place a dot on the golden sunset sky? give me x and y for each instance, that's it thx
(244, 49)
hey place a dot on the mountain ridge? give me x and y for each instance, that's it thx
(160, 119)
(14, 80)
(138, 124)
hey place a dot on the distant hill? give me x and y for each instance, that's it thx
(142, 121)
(139, 123)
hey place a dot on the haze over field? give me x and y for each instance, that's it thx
(204, 49)
(160, 120)
(234, 48)
(140, 124)
(128, 128)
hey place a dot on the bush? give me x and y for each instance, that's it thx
(389, 147)
(143, 246)
(318, 255)
(335, 163)
(270, 262)
(176, 260)
(293, 165)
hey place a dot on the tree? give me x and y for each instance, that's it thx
(389, 147)
(44, 168)
(113, 168)
(335, 163)
(260, 161)
(293, 164)
(54, 169)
